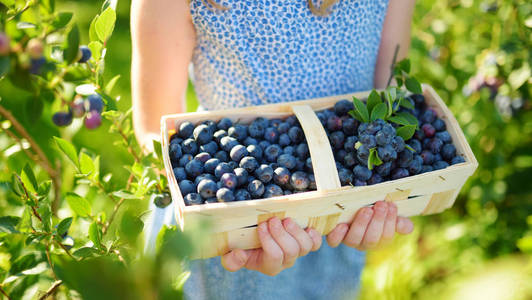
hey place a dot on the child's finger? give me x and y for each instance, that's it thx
(337, 235)
(376, 226)
(358, 227)
(303, 239)
(286, 242)
(389, 223)
(235, 260)
(316, 238)
(404, 225)
(269, 259)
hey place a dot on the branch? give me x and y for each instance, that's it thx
(4, 292)
(28, 197)
(115, 209)
(51, 290)
(392, 67)
(43, 160)
(50, 261)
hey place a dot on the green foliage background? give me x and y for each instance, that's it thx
(477, 56)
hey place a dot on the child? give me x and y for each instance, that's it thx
(264, 51)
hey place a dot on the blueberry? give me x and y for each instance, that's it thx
(384, 169)
(275, 122)
(202, 134)
(292, 120)
(398, 144)
(383, 139)
(311, 182)
(334, 123)
(272, 190)
(224, 123)
(287, 161)
(428, 130)
(189, 146)
(210, 165)
(272, 152)
(427, 157)
(349, 144)
(368, 140)
(362, 128)
(256, 188)
(85, 54)
(227, 143)
(241, 176)
(204, 176)
(218, 135)
(387, 153)
(256, 129)
(273, 165)
(264, 144)
(287, 192)
(419, 135)
(288, 150)
(435, 145)
(437, 157)
(193, 199)
(194, 168)
(255, 151)
(211, 148)
(233, 164)
(323, 119)
(440, 165)
(361, 172)
(457, 160)
(211, 200)
(349, 126)
(229, 180)
(207, 188)
(415, 144)
(448, 151)
(418, 99)
(399, 173)
(249, 163)
(203, 157)
(185, 130)
(251, 178)
(250, 141)
(62, 118)
(428, 116)
(186, 187)
(284, 139)
(296, 135)
(175, 151)
(264, 173)
(238, 131)
(95, 102)
(346, 176)
(363, 154)
(281, 176)
(426, 168)
(222, 156)
(225, 195)
(242, 194)
(339, 155)
(373, 127)
(415, 165)
(211, 126)
(302, 151)
(308, 165)
(175, 139)
(342, 107)
(404, 158)
(300, 165)
(350, 159)
(238, 152)
(444, 136)
(183, 161)
(299, 180)
(375, 178)
(221, 169)
(337, 139)
(271, 135)
(359, 182)
(439, 124)
(283, 127)
(179, 173)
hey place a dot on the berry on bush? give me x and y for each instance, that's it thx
(93, 120)
(85, 54)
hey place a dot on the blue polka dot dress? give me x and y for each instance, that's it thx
(269, 51)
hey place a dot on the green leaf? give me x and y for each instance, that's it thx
(413, 85)
(64, 226)
(28, 179)
(410, 118)
(23, 263)
(410, 148)
(399, 81)
(34, 108)
(86, 165)
(92, 30)
(406, 132)
(379, 112)
(105, 24)
(8, 224)
(95, 235)
(157, 148)
(85, 252)
(355, 115)
(110, 102)
(44, 188)
(68, 149)
(405, 103)
(361, 109)
(96, 49)
(61, 20)
(399, 120)
(131, 226)
(125, 195)
(4, 65)
(373, 159)
(79, 205)
(71, 52)
(111, 84)
(404, 65)
(373, 99)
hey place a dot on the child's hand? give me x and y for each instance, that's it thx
(372, 226)
(282, 243)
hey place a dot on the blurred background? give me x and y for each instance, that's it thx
(477, 55)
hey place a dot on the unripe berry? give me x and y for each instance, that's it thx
(93, 120)
(4, 44)
(78, 107)
(35, 48)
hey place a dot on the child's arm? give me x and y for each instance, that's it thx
(163, 39)
(395, 31)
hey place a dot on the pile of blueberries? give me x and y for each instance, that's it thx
(225, 161)
(429, 149)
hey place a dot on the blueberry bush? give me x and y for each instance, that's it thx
(70, 226)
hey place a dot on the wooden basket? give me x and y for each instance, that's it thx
(233, 224)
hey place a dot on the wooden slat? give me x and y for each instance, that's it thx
(265, 217)
(320, 150)
(439, 202)
(324, 224)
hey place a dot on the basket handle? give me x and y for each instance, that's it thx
(319, 147)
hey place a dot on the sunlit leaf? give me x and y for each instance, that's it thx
(78, 204)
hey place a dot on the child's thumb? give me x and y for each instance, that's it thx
(235, 260)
